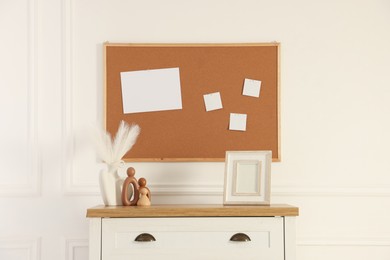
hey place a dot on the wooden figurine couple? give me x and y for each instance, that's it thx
(141, 195)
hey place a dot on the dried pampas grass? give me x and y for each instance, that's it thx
(111, 150)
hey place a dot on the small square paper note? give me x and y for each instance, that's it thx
(212, 101)
(237, 122)
(252, 88)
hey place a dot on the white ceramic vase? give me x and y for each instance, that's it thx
(111, 187)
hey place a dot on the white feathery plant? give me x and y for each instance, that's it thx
(111, 151)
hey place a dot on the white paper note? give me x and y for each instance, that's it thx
(252, 88)
(151, 90)
(237, 122)
(212, 101)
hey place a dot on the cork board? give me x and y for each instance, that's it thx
(192, 133)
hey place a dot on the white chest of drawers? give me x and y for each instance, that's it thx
(192, 232)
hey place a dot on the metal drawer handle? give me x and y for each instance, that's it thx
(240, 237)
(145, 237)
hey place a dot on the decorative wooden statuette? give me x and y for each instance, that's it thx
(144, 193)
(130, 180)
(142, 184)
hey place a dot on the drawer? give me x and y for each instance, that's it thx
(193, 238)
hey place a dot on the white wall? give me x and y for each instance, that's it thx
(335, 87)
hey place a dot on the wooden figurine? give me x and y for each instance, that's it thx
(144, 193)
(143, 199)
(142, 184)
(130, 180)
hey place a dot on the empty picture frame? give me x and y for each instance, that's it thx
(247, 178)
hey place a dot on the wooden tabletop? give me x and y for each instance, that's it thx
(189, 210)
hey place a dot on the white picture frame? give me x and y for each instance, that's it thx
(247, 178)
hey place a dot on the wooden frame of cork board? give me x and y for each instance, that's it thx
(192, 133)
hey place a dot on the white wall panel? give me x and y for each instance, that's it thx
(18, 84)
(80, 168)
(76, 249)
(20, 249)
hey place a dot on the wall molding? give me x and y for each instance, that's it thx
(337, 241)
(185, 189)
(31, 245)
(70, 186)
(277, 190)
(32, 186)
(206, 189)
(67, 102)
(71, 244)
(330, 191)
